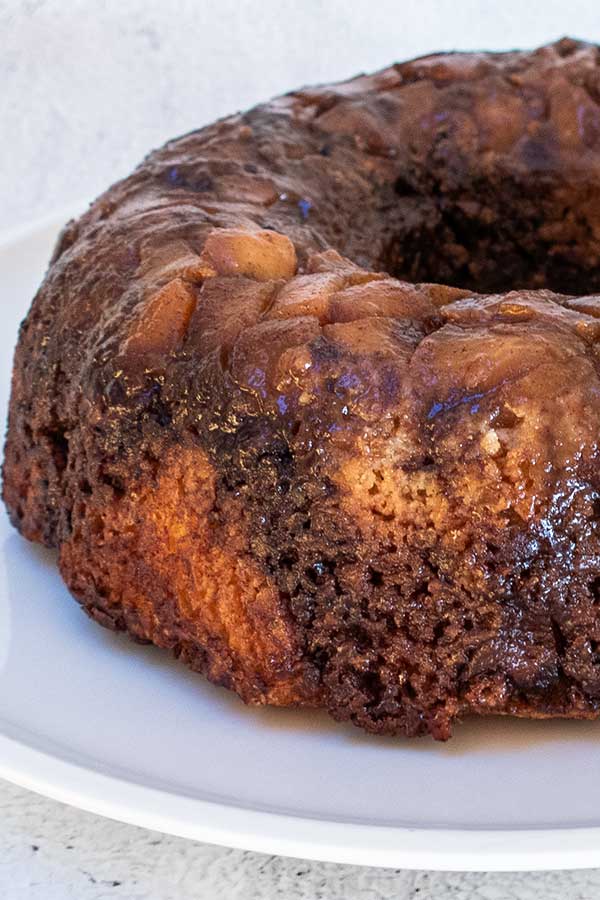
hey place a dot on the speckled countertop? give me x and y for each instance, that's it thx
(87, 89)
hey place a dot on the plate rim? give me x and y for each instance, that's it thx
(245, 828)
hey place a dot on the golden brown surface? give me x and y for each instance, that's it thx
(312, 399)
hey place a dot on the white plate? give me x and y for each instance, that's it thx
(91, 719)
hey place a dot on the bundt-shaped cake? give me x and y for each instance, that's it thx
(312, 398)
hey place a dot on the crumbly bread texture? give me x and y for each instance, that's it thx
(312, 398)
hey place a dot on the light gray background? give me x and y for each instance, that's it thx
(86, 89)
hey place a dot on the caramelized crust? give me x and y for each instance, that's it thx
(312, 398)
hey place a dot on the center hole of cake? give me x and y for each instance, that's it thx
(493, 237)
